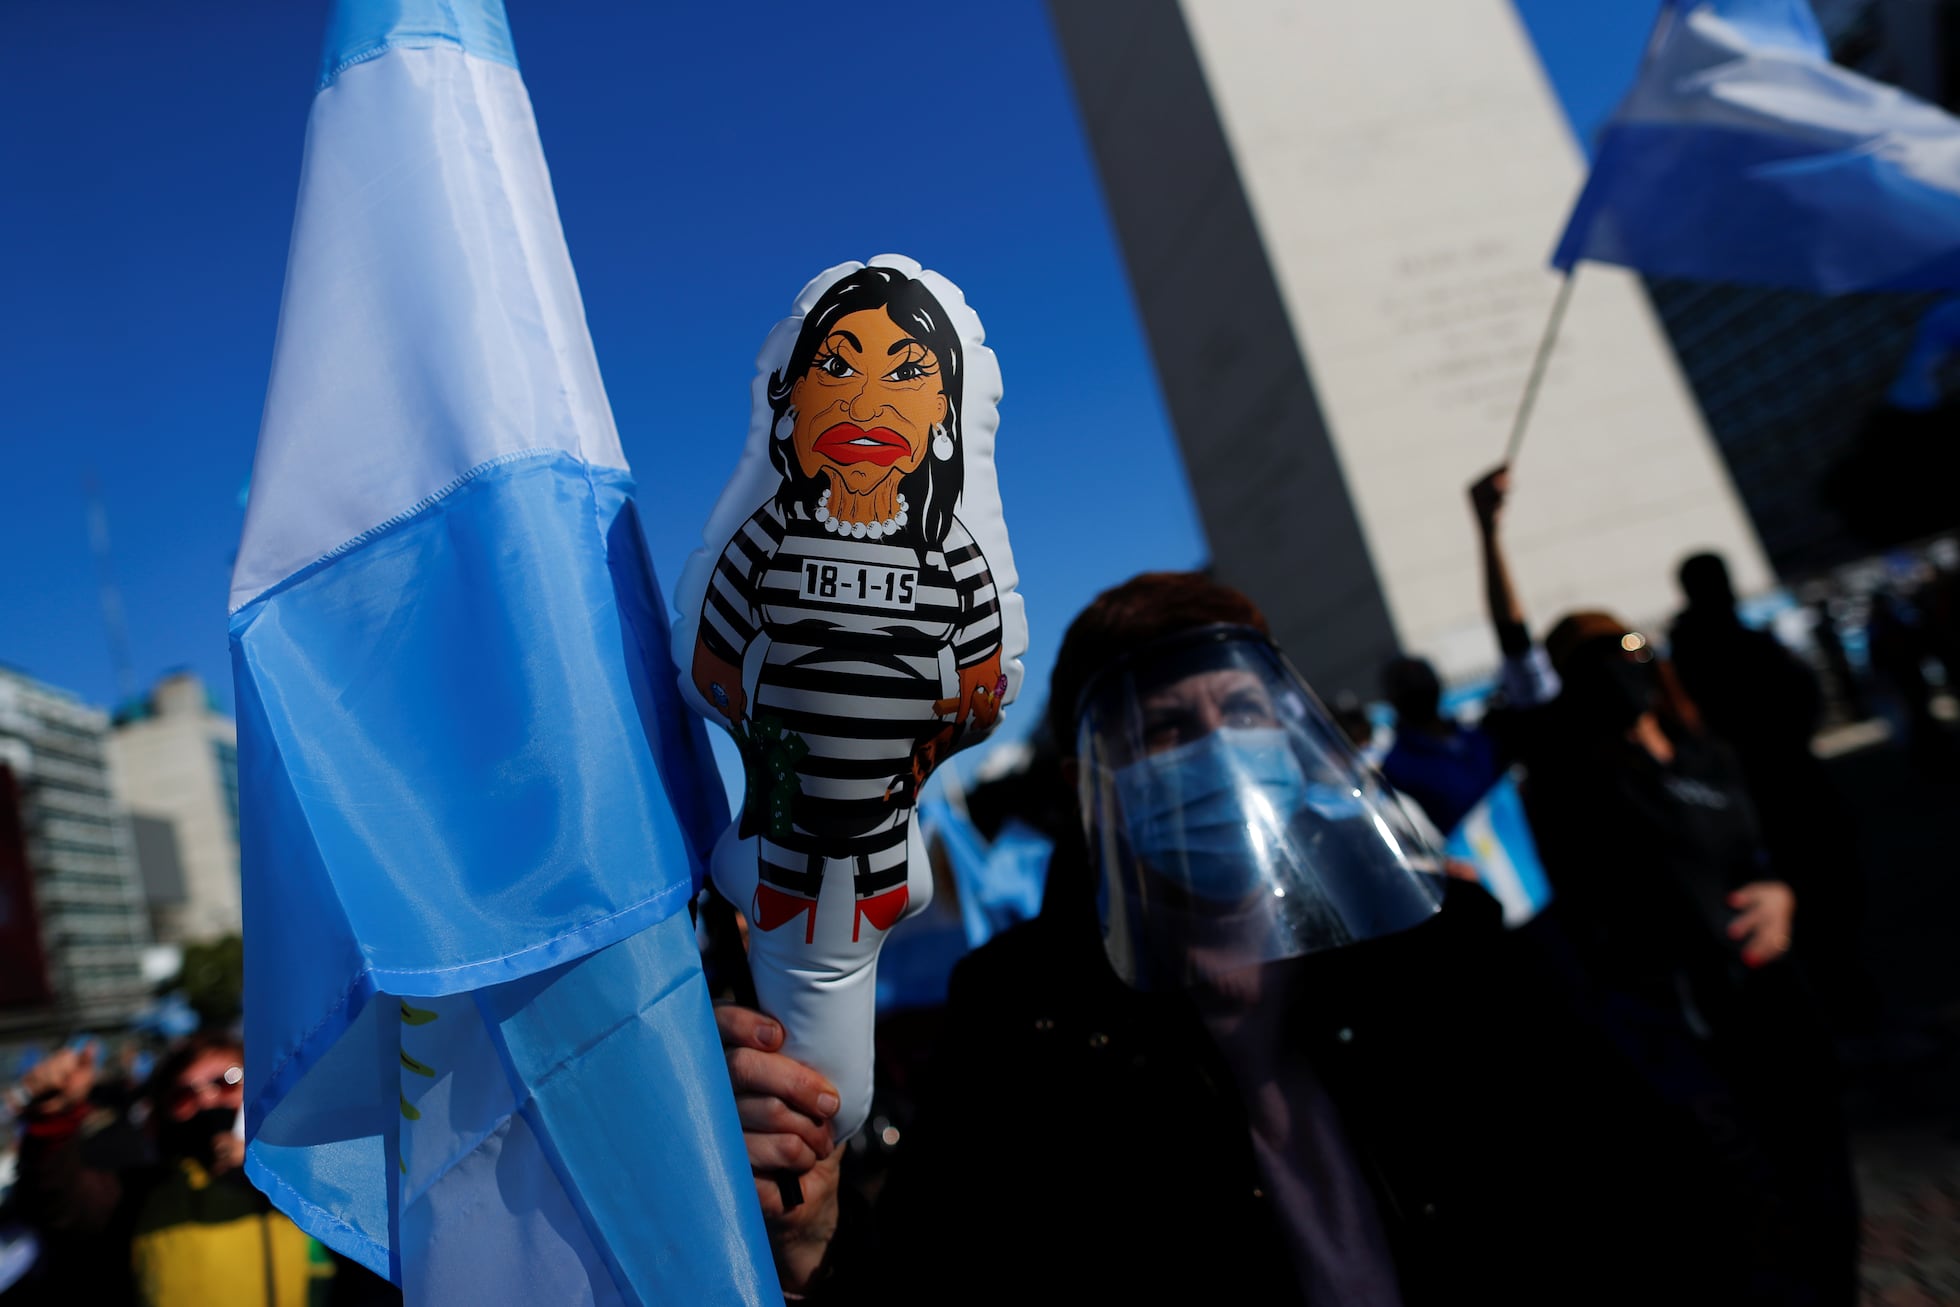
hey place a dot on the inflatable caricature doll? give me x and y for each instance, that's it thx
(852, 621)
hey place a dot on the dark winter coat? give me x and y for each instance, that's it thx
(1080, 1141)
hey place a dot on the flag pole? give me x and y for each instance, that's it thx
(1537, 378)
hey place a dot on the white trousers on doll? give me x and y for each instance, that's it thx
(825, 991)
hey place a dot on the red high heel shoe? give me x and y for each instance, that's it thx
(884, 910)
(774, 907)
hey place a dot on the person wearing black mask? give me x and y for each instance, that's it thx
(1255, 1048)
(1678, 924)
(1445, 766)
(1765, 703)
(184, 1231)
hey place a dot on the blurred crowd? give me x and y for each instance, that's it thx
(124, 1183)
(1227, 1022)
(1160, 1085)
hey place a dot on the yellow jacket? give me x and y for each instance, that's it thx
(201, 1243)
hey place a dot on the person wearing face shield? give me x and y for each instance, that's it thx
(1255, 1048)
(1228, 822)
(1678, 924)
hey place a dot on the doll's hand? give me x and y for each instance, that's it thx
(785, 1108)
(926, 755)
(981, 689)
(720, 683)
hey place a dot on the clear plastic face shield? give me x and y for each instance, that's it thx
(1230, 821)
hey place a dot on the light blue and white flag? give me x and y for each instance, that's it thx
(1743, 154)
(1495, 838)
(997, 883)
(480, 1055)
(1010, 884)
(915, 967)
(1000, 882)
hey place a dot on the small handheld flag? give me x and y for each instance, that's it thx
(1495, 838)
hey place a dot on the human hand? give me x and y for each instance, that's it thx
(227, 1153)
(1487, 496)
(1764, 912)
(785, 1108)
(60, 1081)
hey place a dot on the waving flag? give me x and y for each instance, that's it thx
(999, 882)
(480, 1056)
(1495, 838)
(996, 883)
(1743, 154)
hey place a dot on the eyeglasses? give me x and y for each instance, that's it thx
(216, 1084)
(1627, 644)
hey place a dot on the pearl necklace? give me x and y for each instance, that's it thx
(860, 530)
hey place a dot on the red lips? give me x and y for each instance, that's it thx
(849, 443)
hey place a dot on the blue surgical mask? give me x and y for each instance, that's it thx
(1209, 814)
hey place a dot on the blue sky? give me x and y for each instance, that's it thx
(707, 160)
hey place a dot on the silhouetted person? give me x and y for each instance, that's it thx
(1899, 649)
(1765, 704)
(1354, 722)
(177, 1225)
(1678, 928)
(1444, 766)
(1850, 685)
(1752, 691)
(1939, 605)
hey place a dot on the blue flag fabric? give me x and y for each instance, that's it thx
(998, 883)
(1009, 885)
(1742, 154)
(480, 1057)
(915, 967)
(1495, 838)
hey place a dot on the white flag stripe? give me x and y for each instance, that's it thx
(1500, 875)
(381, 270)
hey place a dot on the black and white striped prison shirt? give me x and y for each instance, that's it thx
(863, 639)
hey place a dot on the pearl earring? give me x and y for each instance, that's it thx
(942, 444)
(790, 414)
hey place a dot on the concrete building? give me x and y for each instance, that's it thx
(176, 758)
(1791, 384)
(1336, 220)
(160, 867)
(77, 845)
(26, 988)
